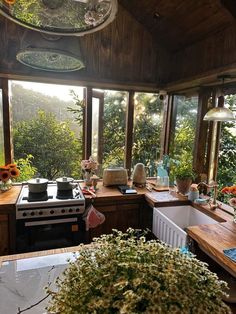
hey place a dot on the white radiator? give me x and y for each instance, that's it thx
(167, 231)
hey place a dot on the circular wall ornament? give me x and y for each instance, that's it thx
(61, 17)
(49, 60)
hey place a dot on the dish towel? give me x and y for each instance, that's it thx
(231, 253)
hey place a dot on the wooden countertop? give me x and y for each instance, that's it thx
(211, 238)
(8, 199)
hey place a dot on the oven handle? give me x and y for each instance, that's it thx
(49, 222)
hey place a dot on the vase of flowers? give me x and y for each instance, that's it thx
(7, 174)
(230, 192)
(89, 166)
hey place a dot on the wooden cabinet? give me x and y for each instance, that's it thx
(4, 234)
(119, 215)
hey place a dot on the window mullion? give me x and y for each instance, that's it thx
(129, 132)
(8, 147)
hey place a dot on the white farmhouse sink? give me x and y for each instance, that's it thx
(169, 223)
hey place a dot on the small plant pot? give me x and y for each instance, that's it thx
(183, 185)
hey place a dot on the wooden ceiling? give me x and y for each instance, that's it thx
(179, 23)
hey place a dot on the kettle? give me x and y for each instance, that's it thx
(139, 175)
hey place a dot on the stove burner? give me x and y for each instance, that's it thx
(64, 194)
(36, 197)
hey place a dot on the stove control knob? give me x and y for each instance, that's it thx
(40, 213)
(63, 211)
(32, 213)
(77, 210)
(24, 214)
(70, 210)
(51, 211)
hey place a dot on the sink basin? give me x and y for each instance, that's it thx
(170, 223)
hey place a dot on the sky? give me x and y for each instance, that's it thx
(60, 91)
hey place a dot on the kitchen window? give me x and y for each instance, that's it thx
(108, 127)
(183, 127)
(148, 124)
(47, 123)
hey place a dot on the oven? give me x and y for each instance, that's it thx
(48, 222)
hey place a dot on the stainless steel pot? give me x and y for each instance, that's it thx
(37, 185)
(65, 184)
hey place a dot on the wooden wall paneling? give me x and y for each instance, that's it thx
(213, 54)
(8, 146)
(129, 132)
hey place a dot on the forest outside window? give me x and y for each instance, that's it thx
(183, 128)
(148, 125)
(47, 129)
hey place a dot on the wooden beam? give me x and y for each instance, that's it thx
(129, 133)
(8, 147)
(201, 136)
(88, 123)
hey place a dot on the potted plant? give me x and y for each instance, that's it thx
(123, 273)
(183, 173)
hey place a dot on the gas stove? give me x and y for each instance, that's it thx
(49, 204)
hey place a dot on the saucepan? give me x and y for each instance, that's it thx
(37, 185)
(65, 184)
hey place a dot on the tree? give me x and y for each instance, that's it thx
(55, 148)
(227, 155)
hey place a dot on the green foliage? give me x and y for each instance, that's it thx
(227, 157)
(182, 168)
(114, 128)
(27, 170)
(56, 150)
(123, 274)
(147, 131)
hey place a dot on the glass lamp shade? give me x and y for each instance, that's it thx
(61, 17)
(219, 114)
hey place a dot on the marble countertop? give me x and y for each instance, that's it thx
(22, 282)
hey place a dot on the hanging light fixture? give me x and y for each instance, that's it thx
(220, 113)
(60, 17)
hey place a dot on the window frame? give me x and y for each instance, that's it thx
(168, 122)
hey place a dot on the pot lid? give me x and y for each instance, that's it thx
(37, 181)
(64, 179)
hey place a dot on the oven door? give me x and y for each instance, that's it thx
(49, 233)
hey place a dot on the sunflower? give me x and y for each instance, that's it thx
(14, 172)
(4, 175)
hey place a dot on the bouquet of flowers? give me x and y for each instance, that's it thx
(7, 173)
(230, 191)
(89, 165)
(124, 273)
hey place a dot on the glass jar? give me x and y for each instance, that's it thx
(5, 185)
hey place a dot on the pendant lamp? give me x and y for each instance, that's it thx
(219, 113)
(60, 17)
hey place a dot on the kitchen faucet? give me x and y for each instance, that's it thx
(213, 203)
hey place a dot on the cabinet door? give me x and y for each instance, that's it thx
(128, 216)
(4, 235)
